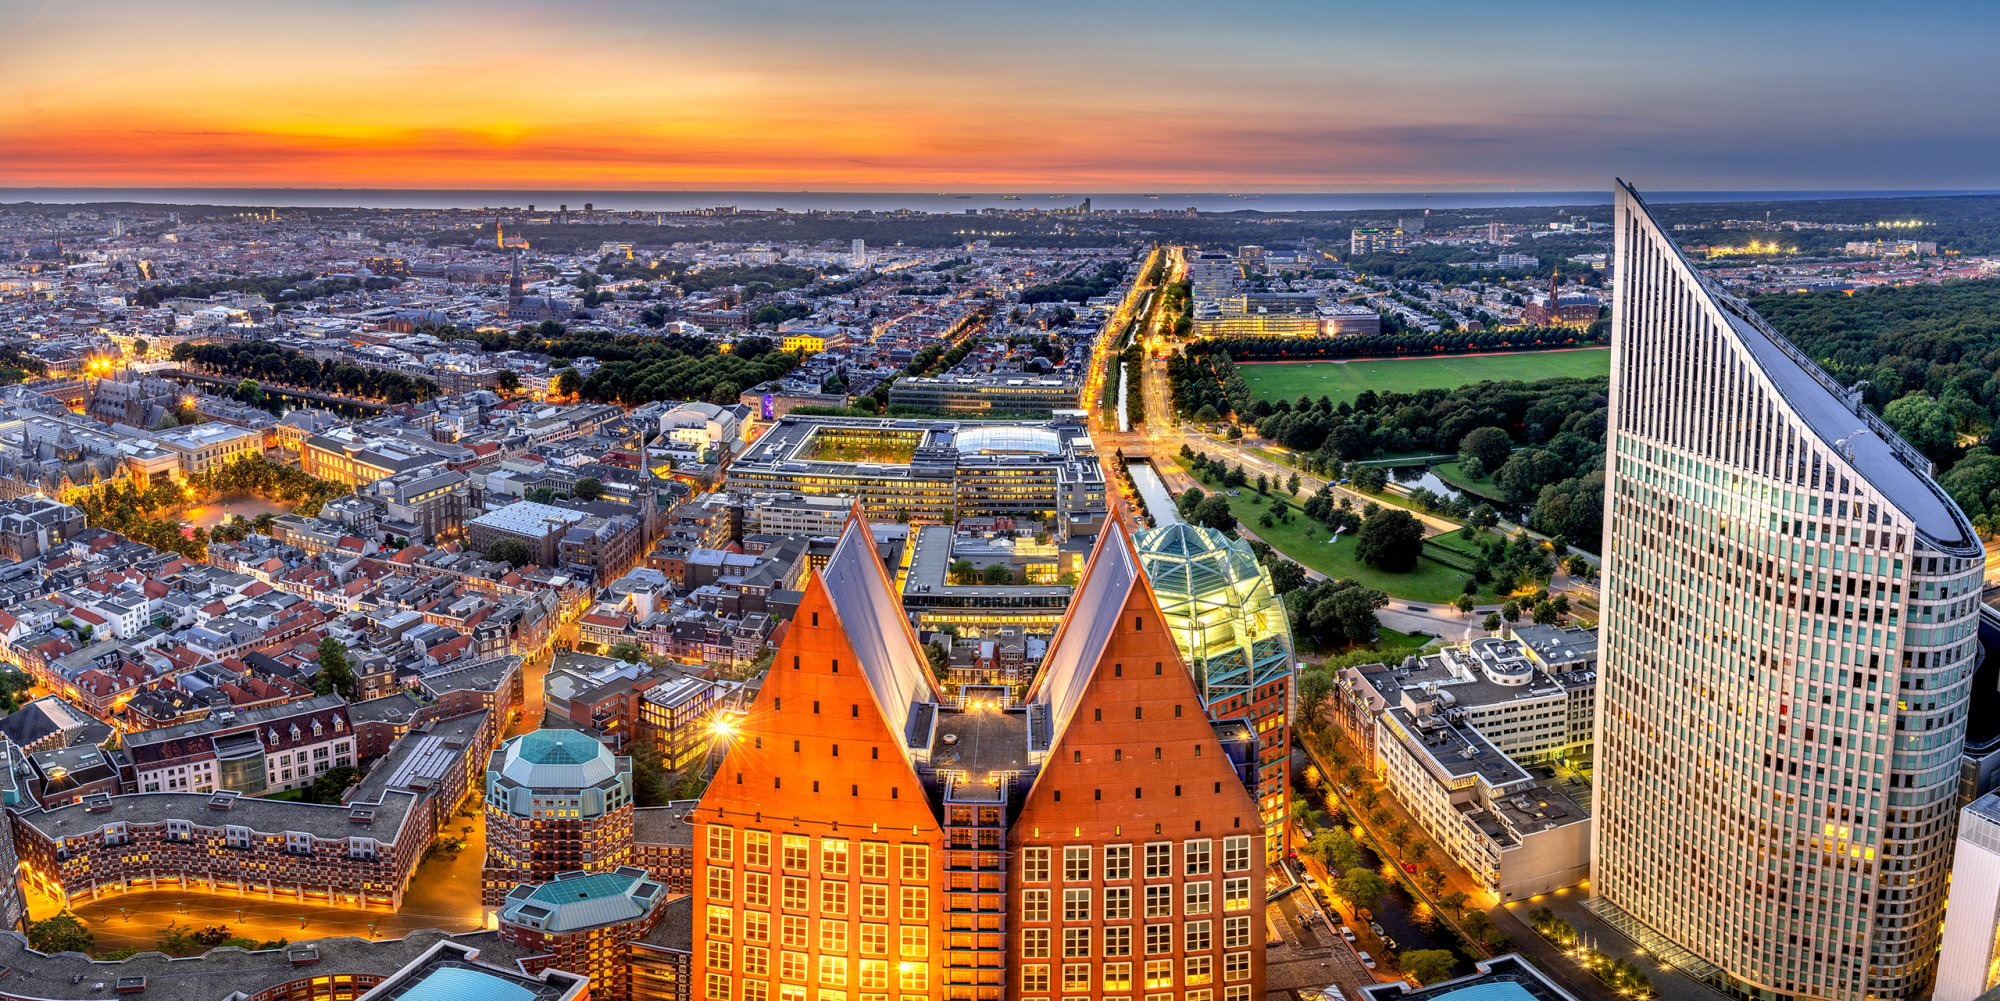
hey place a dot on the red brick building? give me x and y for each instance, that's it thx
(865, 837)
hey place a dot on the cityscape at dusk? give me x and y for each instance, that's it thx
(783, 501)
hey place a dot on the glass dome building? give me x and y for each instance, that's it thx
(1230, 626)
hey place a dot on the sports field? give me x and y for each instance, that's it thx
(1345, 380)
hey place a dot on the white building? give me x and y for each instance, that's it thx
(1969, 964)
(1787, 646)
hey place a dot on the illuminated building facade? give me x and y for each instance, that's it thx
(916, 471)
(1787, 647)
(583, 923)
(864, 837)
(1231, 629)
(557, 801)
(1969, 963)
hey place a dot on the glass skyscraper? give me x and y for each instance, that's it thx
(1788, 641)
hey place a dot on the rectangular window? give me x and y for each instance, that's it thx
(1236, 893)
(792, 965)
(1118, 976)
(1236, 853)
(915, 942)
(756, 888)
(798, 853)
(916, 903)
(1076, 905)
(756, 961)
(1160, 900)
(793, 890)
(1236, 933)
(833, 856)
(1236, 966)
(1118, 940)
(721, 843)
(1197, 896)
(916, 863)
(792, 931)
(1034, 905)
(1117, 862)
(718, 884)
(833, 899)
(718, 987)
(1076, 943)
(1159, 860)
(1034, 943)
(1195, 856)
(1117, 903)
(874, 860)
(756, 926)
(720, 955)
(1159, 974)
(833, 936)
(1035, 977)
(1034, 865)
(874, 901)
(1198, 970)
(1197, 935)
(833, 971)
(756, 848)
(1076, 864)
(874, 940)
(874, 975)
(1076, 976)
(914, 976)
(719, 921)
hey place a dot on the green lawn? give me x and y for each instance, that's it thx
(1305, 541)
(1345, 380)
(1453, 473)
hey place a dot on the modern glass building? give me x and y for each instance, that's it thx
(1787, 641)
(1230, 626)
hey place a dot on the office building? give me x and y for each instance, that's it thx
(915, 471)
(1969, 963)
(997, 394)
(583, 923)
(865, 834)
(1375, 240)
(557, 801)
(541, 527)
(203, 447)
(1231, 628)
(1786, 648)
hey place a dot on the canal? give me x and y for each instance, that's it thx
(1159, 500)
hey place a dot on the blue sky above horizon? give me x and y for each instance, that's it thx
(1266, 95)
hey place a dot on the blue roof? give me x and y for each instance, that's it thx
(452, 983)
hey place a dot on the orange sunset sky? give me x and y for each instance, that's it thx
(1257, 95)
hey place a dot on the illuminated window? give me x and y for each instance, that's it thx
(1035, 943)
(1034, 905)
(756, 848)
(756, 888)
(1076, 976)
(916, 905)
(721, 841)
(1035, 977)
(1118, 976)
(792, 931)
(833, 899)
(1076, 905)
(874, 860)
(833, 856)
(1236, 894)
(874, 901)
(1235, 966)
(719, 921)
(833, 936)
(798, 852)
(1236, 933)
(916, 862)
(793, 893)
(792, 965)
(718, 884)
(720, 955)
(915, 942)
(1159, 974)
(833, 971)
(718, 987)
(874, 940)
(1198, 969)
(756, 961)
(756, 926)
(1195, 854)
(1236, 853)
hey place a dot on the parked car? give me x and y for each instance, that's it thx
(1367, 961)
(1410, 867)
(1376, 927)
(1347, 933)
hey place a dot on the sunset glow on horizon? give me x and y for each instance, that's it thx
(1032, 96)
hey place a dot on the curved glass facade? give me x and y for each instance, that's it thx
(1230, 627)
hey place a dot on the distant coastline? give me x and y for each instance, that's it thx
(939, 202)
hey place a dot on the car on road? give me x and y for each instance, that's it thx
(1410, 867)
(1367, 960)
(1417, 608)
(1347, 933)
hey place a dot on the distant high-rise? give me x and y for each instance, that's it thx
(860, 255)
(1787, 647)
(1969, 964)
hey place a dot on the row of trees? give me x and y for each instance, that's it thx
(298, 287)
(267, 362)
(1207, 386)
(1407, 343)
(297, 489)
(1077, 287)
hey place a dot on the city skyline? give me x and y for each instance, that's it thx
(1276, 97)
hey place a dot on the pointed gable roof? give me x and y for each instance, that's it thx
(1121, 686)
(844, 714)
(1073, 652)
(878, 630)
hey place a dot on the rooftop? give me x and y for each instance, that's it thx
(556, 759)
(574, 901)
